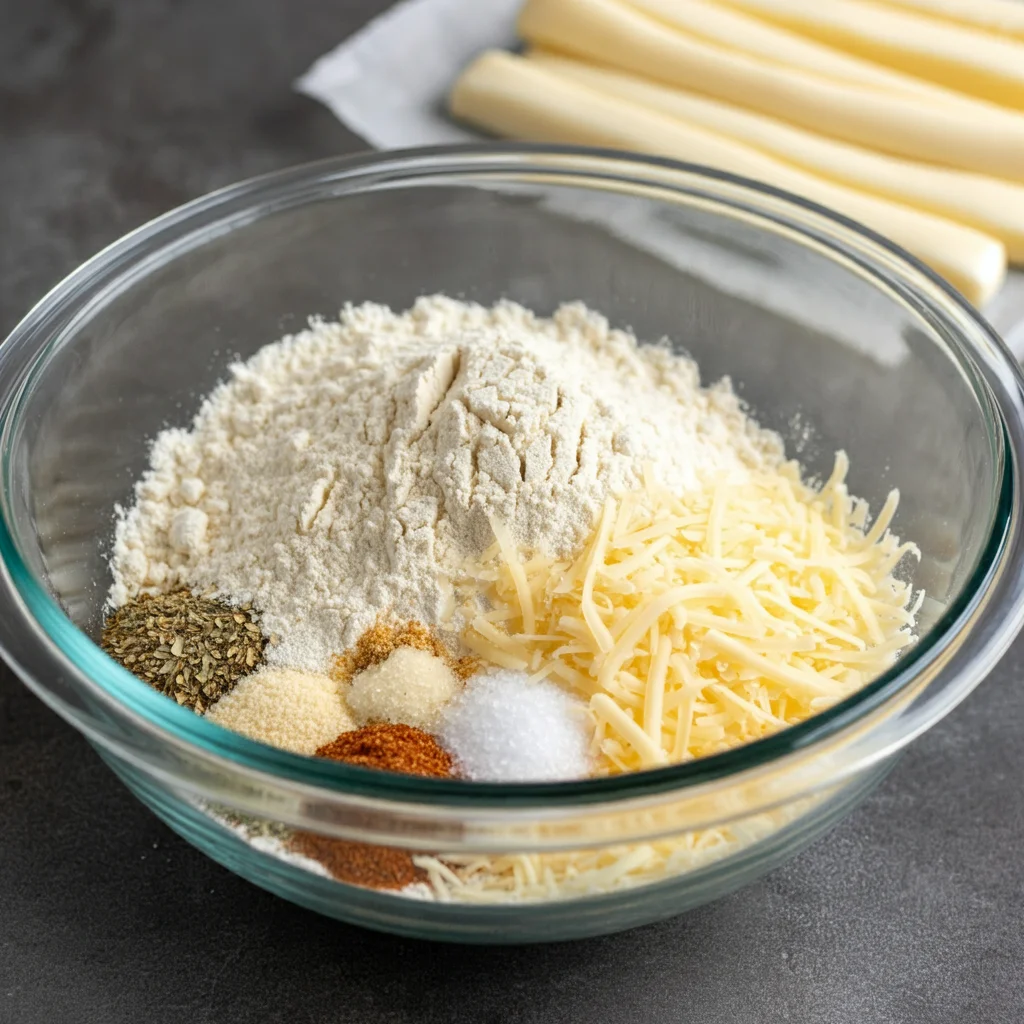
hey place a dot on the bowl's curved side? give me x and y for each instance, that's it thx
(178, 752)
(505, 923)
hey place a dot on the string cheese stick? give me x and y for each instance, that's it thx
(955, 56)
(511, 96)
(989, 141)
(993, 206)
(1003, 17)
(739, 31)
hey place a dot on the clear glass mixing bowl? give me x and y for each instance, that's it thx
(832, 336)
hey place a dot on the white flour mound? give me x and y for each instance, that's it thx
(345, 471)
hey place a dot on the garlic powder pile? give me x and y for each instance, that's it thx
(349, 470)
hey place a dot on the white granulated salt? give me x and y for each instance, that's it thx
(346, 471)
(504, 728)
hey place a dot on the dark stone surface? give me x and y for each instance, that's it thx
(911, 911)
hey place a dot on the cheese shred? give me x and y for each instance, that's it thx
(696, 622)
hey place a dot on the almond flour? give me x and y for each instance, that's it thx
(347, 472)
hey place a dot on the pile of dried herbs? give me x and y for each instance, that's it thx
(188, 647)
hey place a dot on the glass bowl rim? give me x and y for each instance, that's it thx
(254, 197)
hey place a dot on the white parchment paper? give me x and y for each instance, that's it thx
(388, 83)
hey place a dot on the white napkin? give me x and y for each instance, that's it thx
(388, 84)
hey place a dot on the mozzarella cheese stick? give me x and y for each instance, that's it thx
(990, 141)
(1002, 17)
(738, 31)
(995, 207)
(956, 56)
(510, 96)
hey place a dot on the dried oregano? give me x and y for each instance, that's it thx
(190, 648)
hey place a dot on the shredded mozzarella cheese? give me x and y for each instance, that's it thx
(527, 877)
(697, 622)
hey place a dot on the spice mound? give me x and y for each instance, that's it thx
(506, 728)
(390, 748)
(373, 867)
(382, 639)
(187, 647)
(411, 687)
(394, 748)
(296, 711)
(401, 673)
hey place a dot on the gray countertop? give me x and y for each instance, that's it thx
(112, 111)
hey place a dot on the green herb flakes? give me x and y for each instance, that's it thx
(187, 647)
